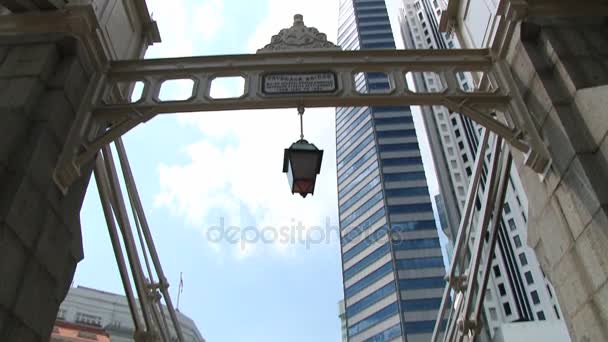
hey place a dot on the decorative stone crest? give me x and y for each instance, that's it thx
(298, 37)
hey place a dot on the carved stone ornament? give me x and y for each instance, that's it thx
(298, 37)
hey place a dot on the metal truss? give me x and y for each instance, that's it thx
(108, 116)
(150, 317)
(459, 317)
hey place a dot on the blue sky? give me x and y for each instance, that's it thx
(198, 171)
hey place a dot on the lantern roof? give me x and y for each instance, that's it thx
(301, 145)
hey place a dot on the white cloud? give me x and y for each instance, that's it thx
(229, 175)
(173, 24)
(180, 23)
(210, 18)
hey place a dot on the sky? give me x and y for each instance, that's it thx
(258, 263)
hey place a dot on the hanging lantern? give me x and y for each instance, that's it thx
(302, 163)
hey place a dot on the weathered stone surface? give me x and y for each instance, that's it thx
(588, 326)
(37, 60)
(57, 113)
(20, 95)
(13, 134)
(37, 156)
(571, 282)
(13, 257)
(71, 79)
(37, 291)
(51, 251)
(553, 227)
(15, 330)
(21, 208)
(592, 104)
(591, 247)
(565, 198)
(601, 301)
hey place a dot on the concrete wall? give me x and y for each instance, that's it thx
(562, 68)
(41, 85)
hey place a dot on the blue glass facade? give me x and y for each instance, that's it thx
(391, 259)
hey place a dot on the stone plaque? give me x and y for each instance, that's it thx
(300, 83)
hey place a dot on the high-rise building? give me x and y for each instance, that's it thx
(518, 289)
(86, 307)
(392, 286)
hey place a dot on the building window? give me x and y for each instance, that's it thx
(465, 158)
(88, 319)
(522, 259)
(501, 289)
(541, 315)
(556, 312)
(549, 290)
(493, 314)
(488, 294)
(507, 308)
(496, 271)
(535, 298)
(512, 225)
(454, 122)
(507, 208)
(529, 278)
(517, 241)
(468, 169)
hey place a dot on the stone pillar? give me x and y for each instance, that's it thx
(562, 68)
(43, 78)
(42, 82)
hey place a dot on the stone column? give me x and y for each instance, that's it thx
(43, 78)
(562, 68)
(41, 86)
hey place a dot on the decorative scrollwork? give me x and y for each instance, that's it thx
(298, 37)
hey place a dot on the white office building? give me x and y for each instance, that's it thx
(110, 312)
(518, 290)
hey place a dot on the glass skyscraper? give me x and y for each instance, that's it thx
(391, 258)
